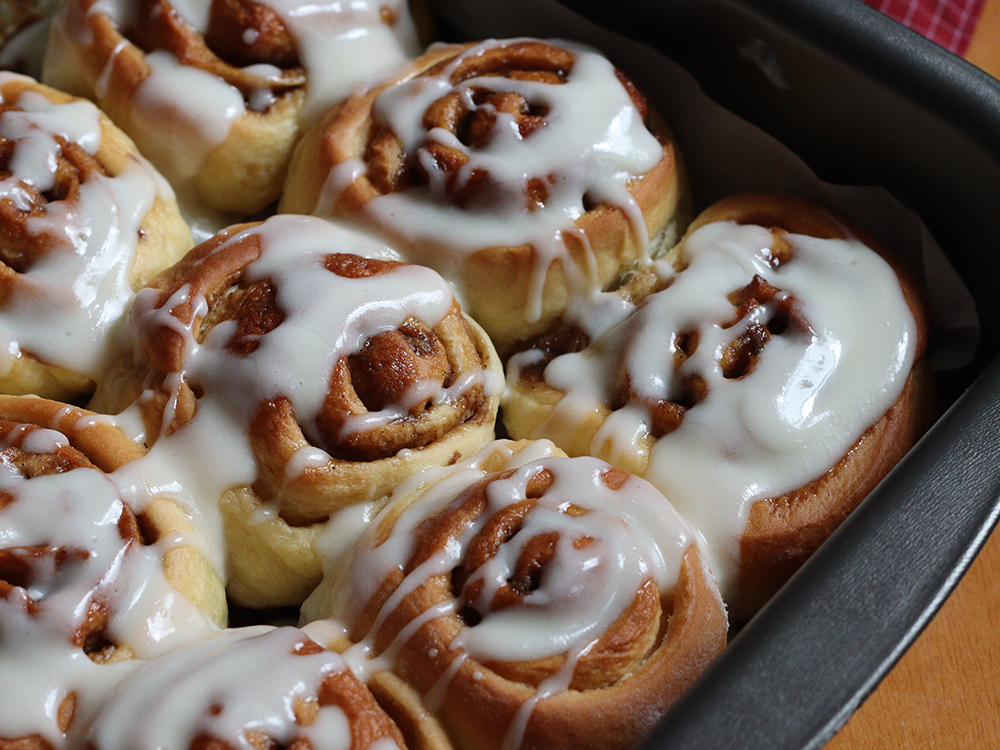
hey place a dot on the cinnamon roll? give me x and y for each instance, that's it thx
(765, 378)
(245, 687)
(550, 602)
(93, 575)
(528, 173)
(215, 91)
(85, 220)
(298, 374)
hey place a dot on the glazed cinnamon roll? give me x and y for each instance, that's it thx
(245, 687)
(298, 374)
(764, 379)
(215, 91)
(93, 575)
(85, 220)
(534, 600)
(528, 173)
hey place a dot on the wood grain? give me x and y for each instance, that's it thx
(984, 49)
(945, 691)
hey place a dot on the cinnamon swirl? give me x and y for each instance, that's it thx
(215, 92)
(526, 172)
(93, 575)
(298, 374)
(765, 379)
(549, 603)
(85, 220)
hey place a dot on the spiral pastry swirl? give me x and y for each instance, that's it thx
(748, 357)
(83, 598)
(85, 220)
(215, 92)
(532, 605)
(328, 375)
(245, 687)
(518, 164)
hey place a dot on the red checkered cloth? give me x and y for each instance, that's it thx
(950, 23)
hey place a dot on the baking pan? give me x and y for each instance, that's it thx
(863, 101)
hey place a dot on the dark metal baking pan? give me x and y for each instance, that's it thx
(864, 101)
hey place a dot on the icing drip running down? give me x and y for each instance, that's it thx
(278, 399)
(243, 687)
(327, 317)
(338, 45)
(79, 599)
(776, 369)
(535, 572)
(483, 156)
(198, 83)
(74, 260)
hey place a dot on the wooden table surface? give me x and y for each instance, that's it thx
(945, 691)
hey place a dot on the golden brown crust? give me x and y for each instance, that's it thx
(422, 729)
(225, 50)
(34, 742)
(273, 562)
(163, 235)
(244, 173)
(97, 443)
(619, 688)
(17, 564)
(530, 400)
(247, 50)
(388, 365)
(605, 244)
(782, 531)
(481, 703)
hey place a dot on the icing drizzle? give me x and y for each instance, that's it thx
(84, 581)
(339, 44)
(609, 543)
(68, 302)
(326, 318)
(233, 685)
(591, 143)
(813, 391)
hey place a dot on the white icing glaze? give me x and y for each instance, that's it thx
(44, 441)
(67, 305)
(593, 143)
(335, 542)
(810, 397)
(633, 536)
(558, 682)
(344, 44)
(253, 676)
(184, 112)
(39, 664)
(326, 317)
